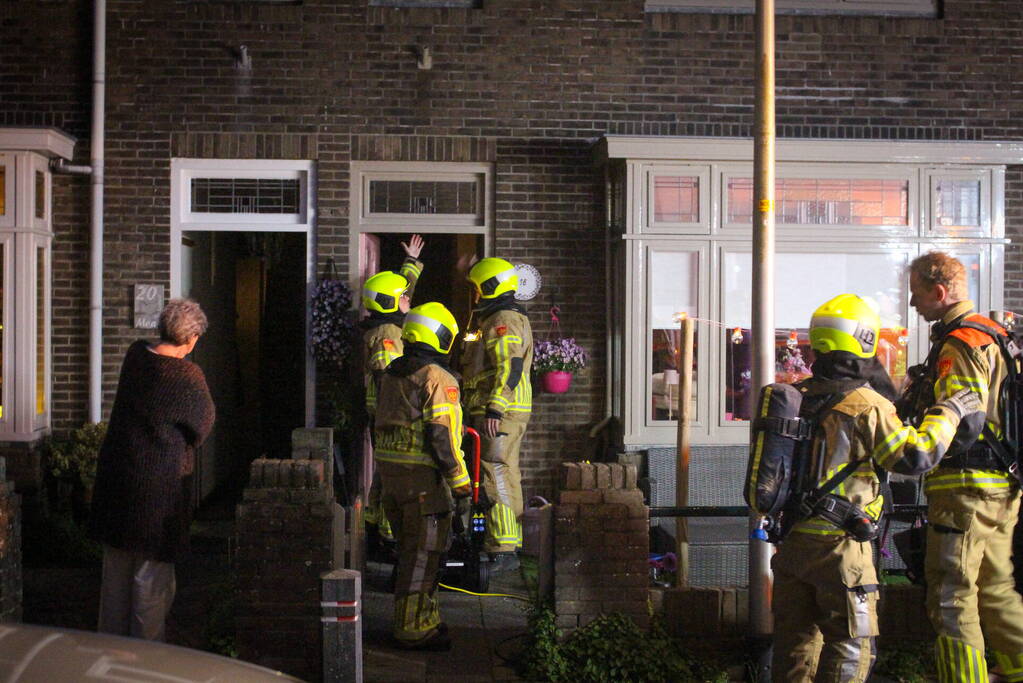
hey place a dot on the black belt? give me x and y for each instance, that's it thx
(977, 457)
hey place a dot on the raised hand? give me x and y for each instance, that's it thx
(414, 247)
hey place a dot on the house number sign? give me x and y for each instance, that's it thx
(148, 304)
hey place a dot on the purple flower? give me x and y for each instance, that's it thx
(333, 330)
(560, 355)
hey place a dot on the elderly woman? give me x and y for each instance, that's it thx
(141, 508)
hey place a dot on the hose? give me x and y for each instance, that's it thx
(486, 595)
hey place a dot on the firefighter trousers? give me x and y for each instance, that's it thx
(418, 504)
(502, 481)
(970, 583)
(825, 609)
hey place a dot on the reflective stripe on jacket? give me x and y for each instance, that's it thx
(864, 426)
(419, 422)
(969, 359)
(497, 366)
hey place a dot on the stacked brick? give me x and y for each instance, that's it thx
(285, 532)
(10, 550)
(601, 542)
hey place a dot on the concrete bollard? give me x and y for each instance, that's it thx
(342, 627)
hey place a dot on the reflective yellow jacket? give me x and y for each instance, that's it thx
(497, 364)
(864, 426)
(969, 359)
(419, 419)
(382, 343)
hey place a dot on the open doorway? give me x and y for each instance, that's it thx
(446, 261)
(252, 286)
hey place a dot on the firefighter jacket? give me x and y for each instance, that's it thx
(419, 416)
(382, 337)
(968, 359)
(497, 364)
(863, 426)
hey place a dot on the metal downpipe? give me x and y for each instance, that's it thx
(96, 233)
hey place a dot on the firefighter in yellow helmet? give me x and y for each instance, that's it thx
(419, 459)
(825, 585)
(972, 499)
(386, 296)
(498, 397)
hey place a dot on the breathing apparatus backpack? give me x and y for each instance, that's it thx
(778, 485)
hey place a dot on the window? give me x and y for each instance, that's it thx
(394, 196)
(879, 277)
(25, 244)
(825, 201)
(219, 192)
(851, 215)
(675, 199)
(907, 8)
(426, 3)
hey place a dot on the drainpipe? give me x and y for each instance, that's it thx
(760, 578)
(58, 165)
(96, 251)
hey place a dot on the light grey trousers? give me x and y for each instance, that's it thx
(136, 595)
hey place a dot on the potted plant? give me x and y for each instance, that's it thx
(72, 462)
(555, 361)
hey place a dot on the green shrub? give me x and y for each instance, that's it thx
(219, 633)
(610, 649)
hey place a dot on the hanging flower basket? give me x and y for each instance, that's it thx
(556, 360)
(333, 330)
(556, 381)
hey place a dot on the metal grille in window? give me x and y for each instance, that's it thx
(413, 196)
(826, 201)
(245, 195)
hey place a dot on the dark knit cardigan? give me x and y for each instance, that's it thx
(162, 412)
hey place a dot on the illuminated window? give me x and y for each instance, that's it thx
(957, 203)
(41, 350)
(676, 199)
(826, 201)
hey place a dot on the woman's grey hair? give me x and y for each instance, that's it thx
(181, 320)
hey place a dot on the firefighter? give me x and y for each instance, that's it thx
(498, 397)
(972, 500)
(825, 584)
(386, 296)
(418, 455)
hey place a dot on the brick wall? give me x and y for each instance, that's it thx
(10, 550)
(601, 543)
(524, 83)
(285, 529)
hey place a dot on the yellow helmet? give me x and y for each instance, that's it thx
(382, 291)
(845, 323)
(432, 324)
(493, 277)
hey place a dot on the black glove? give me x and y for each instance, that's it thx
(463, 506)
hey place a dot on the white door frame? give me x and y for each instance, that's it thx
(184, 220)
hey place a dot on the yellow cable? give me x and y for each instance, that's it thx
(486, 595)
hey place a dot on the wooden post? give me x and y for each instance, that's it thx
(685, 392)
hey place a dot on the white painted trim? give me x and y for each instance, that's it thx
(847, 151)
(884, 8)
(181, 168)
(359, 223)
(49, 142)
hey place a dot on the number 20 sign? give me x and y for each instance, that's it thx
(148, 304)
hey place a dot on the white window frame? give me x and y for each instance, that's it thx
(919, 162)
(983, 176)
(7, 160)
(645, 215)
(829, 171)
(363, 221)
(908, 8)
(184, 220)
(7, 332)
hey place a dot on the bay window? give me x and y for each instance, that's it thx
(850, 216)
(26, 238)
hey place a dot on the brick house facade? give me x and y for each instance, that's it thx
(525, 85)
